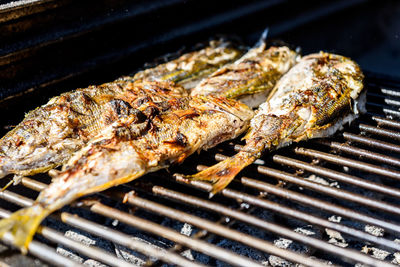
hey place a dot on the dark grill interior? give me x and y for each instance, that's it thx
(327, 201)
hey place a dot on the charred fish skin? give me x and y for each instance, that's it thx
(314, 99)
(128, 149)
(252, 77)
(50, 134)
(189, 69)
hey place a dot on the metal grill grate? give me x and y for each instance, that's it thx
(321, 202)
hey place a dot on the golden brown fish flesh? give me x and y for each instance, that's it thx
(189, 69)
(50, 134)
(127, 149)
(252, 77)
(314, 99)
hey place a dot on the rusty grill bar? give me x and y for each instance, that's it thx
(351, 177)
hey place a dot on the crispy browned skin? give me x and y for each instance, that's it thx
(50, 134)
(191, 68)
(168, 132)
(314, 99)
(250, 78)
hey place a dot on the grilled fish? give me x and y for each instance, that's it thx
(191, 68)
(314, 99)
(129, 148)
(252, 77)
(49, 135)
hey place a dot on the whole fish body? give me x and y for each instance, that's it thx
(130, 148)
(252, 77)
(189, 69)
(314, 99)
(49, 135)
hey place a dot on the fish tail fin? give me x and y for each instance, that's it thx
(224, 172)
(263, 38)
(22, 225)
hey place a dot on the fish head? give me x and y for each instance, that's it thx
(282, 57)
(328, 104)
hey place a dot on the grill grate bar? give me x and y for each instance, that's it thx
(35, 185)
(222, 231)
(42, 251)
(386, 122)
(379, 131)
(373, 203)
(371, 142)
(348, 162)
(390, 92)
(241, 216)
(363, 153)
(334, 192)
(57, 237)
(201, 234)
(147, 226)
(285, 193)
(338, 176)
(321, 204)
(388, 101)
(165, 232)
(126, 240)
(301, 199)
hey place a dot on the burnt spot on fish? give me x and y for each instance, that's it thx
(151, 112)
(180, 140)
(142, 101)
(120, 107)
(123, 133)
(140, 117)
(19, 141)
(165, 106)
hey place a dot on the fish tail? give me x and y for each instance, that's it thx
(224, 172)
(22, 225)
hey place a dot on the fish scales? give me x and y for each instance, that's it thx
(192, 67)
(314, 99)
(252, 77)
(49, 135)
(127, 149)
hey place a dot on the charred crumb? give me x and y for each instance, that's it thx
(181, 139)
(151, 112)
(165, 106)
(142, 101)
(120, 107)
(140, 117)
(123, 133)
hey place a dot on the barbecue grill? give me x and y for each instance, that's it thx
(332, 201)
